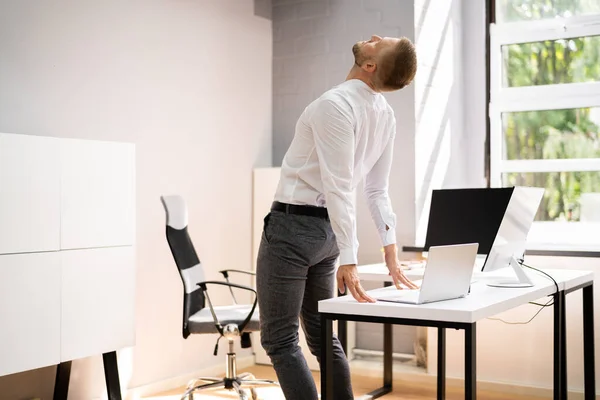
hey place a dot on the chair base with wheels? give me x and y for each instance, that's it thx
(231, 381)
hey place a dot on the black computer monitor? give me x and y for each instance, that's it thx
(466, 216)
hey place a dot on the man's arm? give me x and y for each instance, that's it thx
(334, 141)
(378, 199)
(335, 144)
(380, 206)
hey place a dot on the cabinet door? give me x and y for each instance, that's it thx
(97, 194)
(29, 194)
(98, 301)
(29, 311)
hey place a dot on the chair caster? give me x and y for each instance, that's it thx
(254, 394)
(243, 394)
(190, 385)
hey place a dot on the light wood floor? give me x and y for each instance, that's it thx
(404, 389)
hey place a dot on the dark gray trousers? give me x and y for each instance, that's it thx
(295, 270)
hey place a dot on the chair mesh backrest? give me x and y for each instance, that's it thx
(186, 259)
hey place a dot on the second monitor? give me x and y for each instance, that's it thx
(511, 240)
(461, 216)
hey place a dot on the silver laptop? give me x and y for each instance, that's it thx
(447, 276)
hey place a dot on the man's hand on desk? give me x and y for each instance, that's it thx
(391, 261)
(347, 277)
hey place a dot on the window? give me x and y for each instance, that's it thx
(545, 112)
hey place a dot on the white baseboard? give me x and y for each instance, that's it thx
(182, 380)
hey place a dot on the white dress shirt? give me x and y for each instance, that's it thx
(345, 135)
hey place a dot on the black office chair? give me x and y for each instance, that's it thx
(232, 321)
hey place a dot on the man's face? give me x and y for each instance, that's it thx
(370, 50)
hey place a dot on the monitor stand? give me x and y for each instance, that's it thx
(523, 280)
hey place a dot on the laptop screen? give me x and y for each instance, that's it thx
(461, 216)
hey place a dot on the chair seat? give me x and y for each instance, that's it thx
(203, 322)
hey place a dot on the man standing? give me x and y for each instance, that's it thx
(342, 137)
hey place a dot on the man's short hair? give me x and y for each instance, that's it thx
(397, 67)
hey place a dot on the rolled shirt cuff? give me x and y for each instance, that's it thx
(388, 237)
(348, 256)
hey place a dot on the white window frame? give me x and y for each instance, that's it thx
(535, 98)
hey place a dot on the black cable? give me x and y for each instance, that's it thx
(542, 306)
(524, 323)
(539, 270)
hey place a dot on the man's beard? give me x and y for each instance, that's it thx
(359, 58)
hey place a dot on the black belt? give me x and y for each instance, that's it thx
(311, 211)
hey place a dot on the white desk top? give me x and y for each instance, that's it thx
(569, 278)
(483, 301)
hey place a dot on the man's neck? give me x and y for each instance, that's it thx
(357, 73)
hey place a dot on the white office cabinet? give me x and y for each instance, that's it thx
(29, 311)
(97, 301)
(67, 250)
(97, 194)
(29, 194)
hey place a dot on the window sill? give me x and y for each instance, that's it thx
(556, 250)
(539, 249)
(564, 237)
(560, 239)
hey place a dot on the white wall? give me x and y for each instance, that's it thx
(474, 90)
(521, 355)
(446, 98)
(190, 84)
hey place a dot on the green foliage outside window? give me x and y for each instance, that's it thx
(552, 134)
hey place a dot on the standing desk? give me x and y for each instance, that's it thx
(483, 302)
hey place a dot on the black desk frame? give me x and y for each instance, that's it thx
(589, 359)
(388, 350)
(559, 348)
(470, 354)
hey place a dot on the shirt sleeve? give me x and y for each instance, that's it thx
(378, 199)
(334, 142)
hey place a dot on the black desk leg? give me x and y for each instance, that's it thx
(61, 384)
(342, 333)
(589, 355)
(111, 374)
(563, 346)
(326, 358)
(387, 356)
(441, 371)
(470, 362)
(388, 350)
(557, 346)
